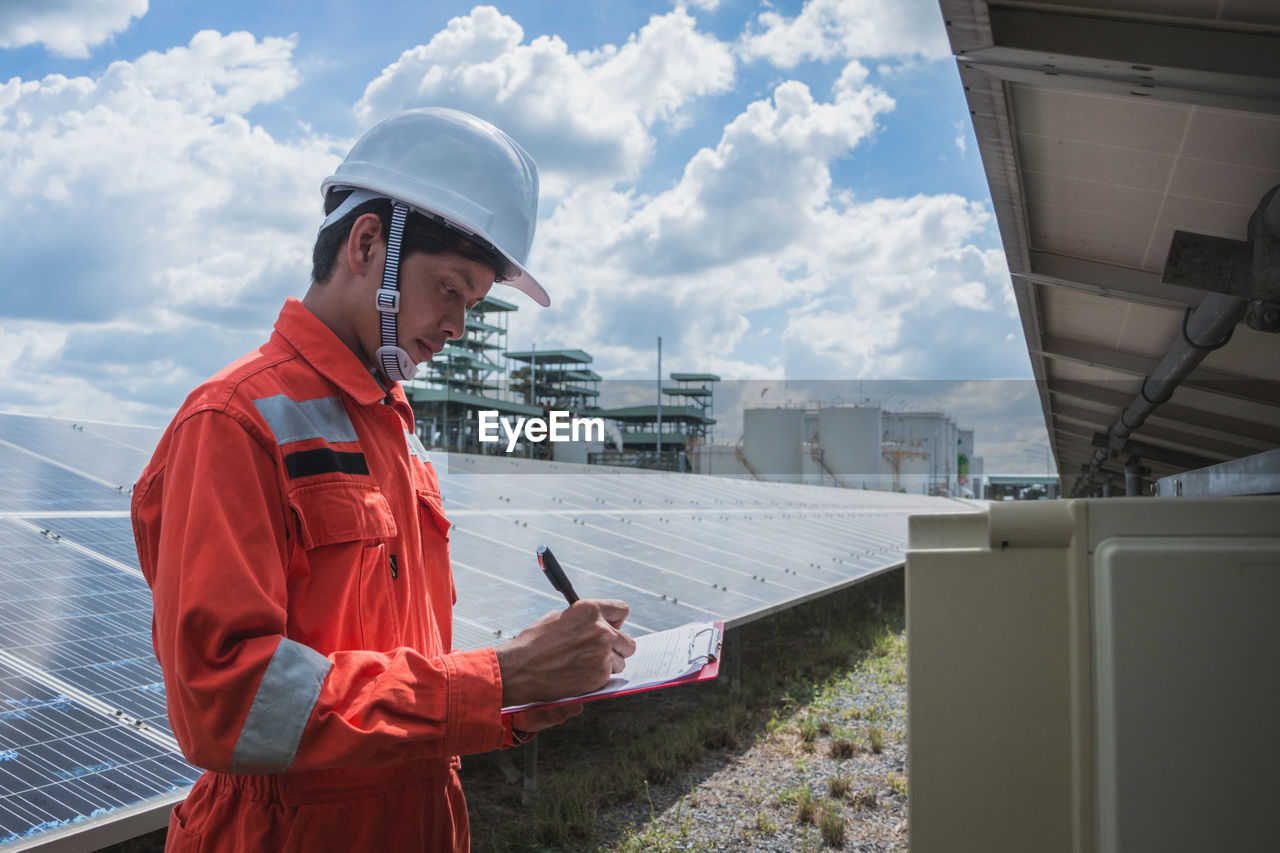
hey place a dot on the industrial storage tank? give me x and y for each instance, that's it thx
(935, 434)
(848, 445)
(773, 443)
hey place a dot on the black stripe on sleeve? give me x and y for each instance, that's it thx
(322, 460)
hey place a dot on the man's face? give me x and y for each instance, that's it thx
(435, 292)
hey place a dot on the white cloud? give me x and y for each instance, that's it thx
(921, 296)
(758, 190)
(148, 218)
(587, 115)
(66, 27)
(753, 261)
(705, 5)
(848, 29)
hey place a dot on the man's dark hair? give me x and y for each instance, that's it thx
(421, 234)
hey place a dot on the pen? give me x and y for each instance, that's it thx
(551, 568)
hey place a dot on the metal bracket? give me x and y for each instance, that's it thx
(1252, 475)
(1209, 263)
(1249, 269)
(1163, 455)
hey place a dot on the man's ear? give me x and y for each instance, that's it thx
(363, 243)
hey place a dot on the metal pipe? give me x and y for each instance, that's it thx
(1203, 330)
(659, 441)
(1133, 478)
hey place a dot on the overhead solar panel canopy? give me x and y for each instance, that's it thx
(86, 754)
(1127, 145)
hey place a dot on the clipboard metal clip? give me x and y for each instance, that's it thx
(704, 646)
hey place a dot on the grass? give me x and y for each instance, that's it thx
(806, 808)
(864, 800)
(875, 739)
(844, 745)
(808, 729)
(831, 825)
(838, 786)
(764, 824)
(898, 784)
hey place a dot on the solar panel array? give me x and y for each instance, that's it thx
(83, 733)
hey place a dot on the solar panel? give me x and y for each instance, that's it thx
(109, 453)
(64, 764)
(83, 732)
(79, 621)
(30, 483)
(673, 546)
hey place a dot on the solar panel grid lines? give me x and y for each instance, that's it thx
(88, 700)
(80, 621)
(760, 543)
(531, 583)
(689, 553)
(680, 573)
(69, 532)
(63, 762)
(647, 574)
(50, 461)
(469, 634)
(78, 446)
(30, 483)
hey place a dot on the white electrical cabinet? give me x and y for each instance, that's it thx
(1095, 675)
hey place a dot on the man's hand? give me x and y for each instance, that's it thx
(565, 653)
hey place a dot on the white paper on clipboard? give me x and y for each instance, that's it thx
(662, 657)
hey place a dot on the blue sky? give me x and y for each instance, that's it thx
(780, 190)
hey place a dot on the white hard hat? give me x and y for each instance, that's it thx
(452, 166)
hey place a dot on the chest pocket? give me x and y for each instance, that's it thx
(343, 590)
(439, 571)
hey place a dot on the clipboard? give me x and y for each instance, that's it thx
(703, 653)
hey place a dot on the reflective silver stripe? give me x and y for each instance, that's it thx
(294, 420)
(281, 708)
(416, 448)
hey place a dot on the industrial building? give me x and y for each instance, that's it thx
(663, 436)
(857, 447)
(477, 373)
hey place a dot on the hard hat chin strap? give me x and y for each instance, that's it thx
(394, 361)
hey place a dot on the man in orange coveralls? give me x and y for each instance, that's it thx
(291, 530)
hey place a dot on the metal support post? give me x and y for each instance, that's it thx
(508, 768)
(735, 668)
(1106, 488)
(1134, 471)
(530, 793)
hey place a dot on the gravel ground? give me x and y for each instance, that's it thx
(747, 800)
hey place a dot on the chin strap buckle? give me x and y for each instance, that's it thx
(387, 300)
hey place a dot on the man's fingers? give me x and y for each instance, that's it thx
(619, 662)
(624, 645)
(614, 612)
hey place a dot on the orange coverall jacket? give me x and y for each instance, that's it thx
(292, 534)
